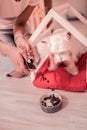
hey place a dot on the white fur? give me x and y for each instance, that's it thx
(65, 49)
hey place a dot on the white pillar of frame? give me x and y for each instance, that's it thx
(55, 13)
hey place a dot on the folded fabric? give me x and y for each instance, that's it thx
(60, 79)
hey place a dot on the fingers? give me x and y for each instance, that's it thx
(23, 52)
(22, 67)
(23, 43)
(19, 61)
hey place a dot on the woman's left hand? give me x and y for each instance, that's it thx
(22, 42)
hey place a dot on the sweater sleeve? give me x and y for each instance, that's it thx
(33, 2)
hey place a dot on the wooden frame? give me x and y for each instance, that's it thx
(56, 13)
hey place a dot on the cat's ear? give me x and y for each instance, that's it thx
(68, 35)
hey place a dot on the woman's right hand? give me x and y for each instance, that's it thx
(17, 55)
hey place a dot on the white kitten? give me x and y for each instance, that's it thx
(64, 47)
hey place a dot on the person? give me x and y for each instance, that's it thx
(14, 44)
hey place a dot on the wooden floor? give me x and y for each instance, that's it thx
(20, 108)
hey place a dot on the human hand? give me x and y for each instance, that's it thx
(22, 42)
(16, 55)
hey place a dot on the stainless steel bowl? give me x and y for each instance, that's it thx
(55, 103)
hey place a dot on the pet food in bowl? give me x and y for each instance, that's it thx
(51, 103)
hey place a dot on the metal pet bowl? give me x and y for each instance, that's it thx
(51, 103)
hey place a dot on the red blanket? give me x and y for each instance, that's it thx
(60, 79)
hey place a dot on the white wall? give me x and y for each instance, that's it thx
(80, 5)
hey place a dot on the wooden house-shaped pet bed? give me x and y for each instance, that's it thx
(44, 79)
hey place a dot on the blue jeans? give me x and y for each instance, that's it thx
(6, 65)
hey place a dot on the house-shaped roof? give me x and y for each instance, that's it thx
(56, 13)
